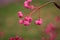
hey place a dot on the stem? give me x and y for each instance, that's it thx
(39, 14)
(40, 7)
(58, 6)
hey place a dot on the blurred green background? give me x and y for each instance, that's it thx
(10, 26)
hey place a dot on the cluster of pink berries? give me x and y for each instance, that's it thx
(27, 20)
(16, 38)
(27, 4)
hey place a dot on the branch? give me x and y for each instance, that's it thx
(58, 6)
(40, 7)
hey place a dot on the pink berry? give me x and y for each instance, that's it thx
(38, 22)
(29, 0)
(20, 14)
(26, 4)
(31, 7)
(20, 21)
(11, 38)
(28, 19)
(26, 23)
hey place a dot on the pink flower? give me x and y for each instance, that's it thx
(26, 23)
(26, 4)
(28, 19)
(57, 19)
(38, 22)
(50, 28)
(31, 7)
(20, 21)
(29, 0)
(20, 14)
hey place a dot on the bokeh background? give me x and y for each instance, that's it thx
(10, 27)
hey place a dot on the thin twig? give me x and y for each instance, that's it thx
(40, 7)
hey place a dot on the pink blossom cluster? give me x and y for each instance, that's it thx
(27, 20)
(27, 4)
(39, 21)
(16, 38)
